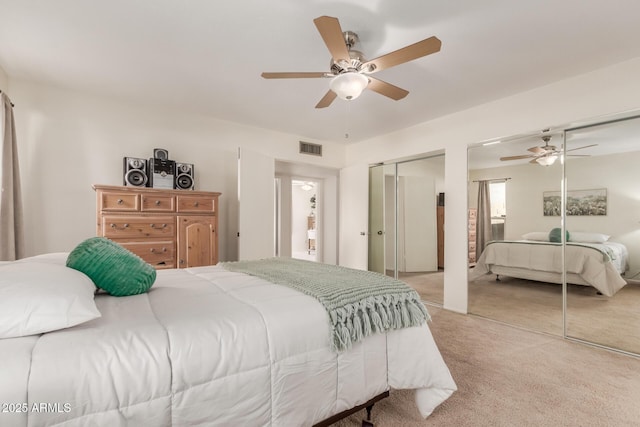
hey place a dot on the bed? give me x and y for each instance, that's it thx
(207, 346)
(596, 264)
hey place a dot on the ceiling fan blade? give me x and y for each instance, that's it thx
(537, 150)
(386, 89)
(327, 99)
(525, 156)
(406, 54)
(580, 148)
(534, 161)
(331, 33)
(294, 75)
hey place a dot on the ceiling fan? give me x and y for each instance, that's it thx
(350, 71)
(546, 155)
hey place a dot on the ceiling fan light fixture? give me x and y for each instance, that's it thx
(349, 85)
(547, 160)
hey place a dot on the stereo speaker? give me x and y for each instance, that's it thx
(160, 153)
(185, 176)
(135, 172)
(161, 173)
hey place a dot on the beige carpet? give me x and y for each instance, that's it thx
(429, 285)
(610, 321)
(507, 376)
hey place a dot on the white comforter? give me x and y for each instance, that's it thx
(210, 347)
(586, 261)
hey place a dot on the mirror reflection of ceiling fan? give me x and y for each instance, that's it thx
(350, 71)
(546, 154)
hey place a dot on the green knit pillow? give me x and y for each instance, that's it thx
(555, 235)
(113, 268)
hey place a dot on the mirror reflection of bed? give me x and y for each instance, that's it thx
(602, 253)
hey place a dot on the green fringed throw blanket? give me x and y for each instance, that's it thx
(359, 303)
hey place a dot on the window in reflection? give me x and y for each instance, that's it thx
(497, 191)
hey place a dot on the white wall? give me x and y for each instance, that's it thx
(4, 80)
(605, 91)
(68, 141)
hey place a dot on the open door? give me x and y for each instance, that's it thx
(256, 200)
(354, 216)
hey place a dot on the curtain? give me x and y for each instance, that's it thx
(11, 225)
(483, 217)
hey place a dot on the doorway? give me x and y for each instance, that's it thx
(304, 219)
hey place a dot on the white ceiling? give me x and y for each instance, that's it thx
(206, 56)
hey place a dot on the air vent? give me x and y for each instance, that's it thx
(309, 148)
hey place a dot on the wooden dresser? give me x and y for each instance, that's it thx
(166, 228)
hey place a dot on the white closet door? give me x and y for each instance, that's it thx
(256, 199)
(354, 216)
(420, 239)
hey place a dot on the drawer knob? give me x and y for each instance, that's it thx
(164, 225)
(157, 202)
(119, 201)
(196, 204)
(153, 250)
(164, 249)
(152, 225)
(126, 225)
(112, 225)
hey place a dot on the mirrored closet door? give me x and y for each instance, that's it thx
(382, 202)
(406, 223)
(602, 258)
(515, 273)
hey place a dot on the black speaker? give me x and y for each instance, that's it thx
(161, 173)
(160, 153)
(185, 176)
(134, 172)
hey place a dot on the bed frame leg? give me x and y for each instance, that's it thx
(497, 277)
(367, 422)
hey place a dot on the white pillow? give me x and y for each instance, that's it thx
(38, 297)
(541, 236)
(583, 237)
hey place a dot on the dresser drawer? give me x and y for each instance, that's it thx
(196, 204)
(119, 227)
(112, 201)
(160, 254)
(158, 203)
